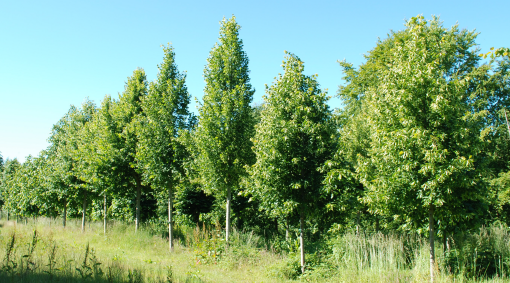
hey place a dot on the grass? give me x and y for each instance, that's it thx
(44, 251)
(125, 256)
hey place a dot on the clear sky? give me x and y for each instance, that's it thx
(54, 54)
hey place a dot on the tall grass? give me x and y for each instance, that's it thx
(44, 251)
(123, 255)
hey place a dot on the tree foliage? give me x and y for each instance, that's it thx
(226, 121)
(426, 148)
(165, 108)
(292, 141)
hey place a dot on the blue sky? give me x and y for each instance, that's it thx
(54, 54)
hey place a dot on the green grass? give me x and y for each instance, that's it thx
(123, 252)
(57, 254)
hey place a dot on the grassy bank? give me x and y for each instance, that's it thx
(43, 251)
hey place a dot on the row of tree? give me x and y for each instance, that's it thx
(421, 144)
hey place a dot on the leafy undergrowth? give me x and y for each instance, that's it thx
(46, 252)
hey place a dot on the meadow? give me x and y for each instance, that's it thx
(41, 250)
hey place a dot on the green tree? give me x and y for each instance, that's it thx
(95, 154)
(7, 178)
(25, 192)
(292, 141)
(125, 113)
(165, 113)
(1, 174)
(226, 121)
(495, 78)
(1, 163)
(425, 156)
(66, 173)
(342, 180)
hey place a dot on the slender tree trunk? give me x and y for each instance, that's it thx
(302, 241)
(64, 217)
(431, 242)
(446, 248)
(170, 223)
(287, 228)
(104, 213)
(377, 228)
(357, 222)
(7, 215)
(229, 197)
(84, 212)
(138, 196)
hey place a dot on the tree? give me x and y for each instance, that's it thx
(66, 178)
(495, 78)
(7, 178)
(292, 141)
(165, 113)
(425, 156)
(95, 163)
(1, 174)
(25, 192)
(125, 113)
(226, 121)
(193, 201)
(1, 163)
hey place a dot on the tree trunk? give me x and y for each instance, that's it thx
(229, 196)
(357, 222)
(64, 217)
(138, 195)
(170, 223)
(104, 213)
(7, 215)
(431, 242)
(302, 241)
(377, 228)
(84, 212)
(287, 228)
